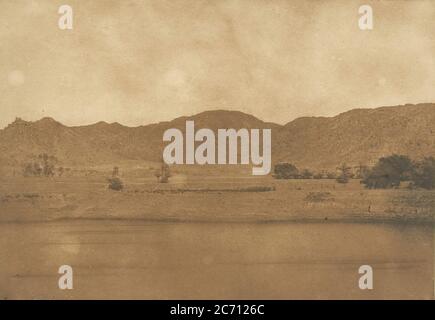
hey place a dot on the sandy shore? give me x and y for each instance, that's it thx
(297, 201)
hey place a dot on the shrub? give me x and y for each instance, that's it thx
(115, 184)
(389, 172)
(285, 171)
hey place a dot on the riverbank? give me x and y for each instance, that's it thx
(263, 201)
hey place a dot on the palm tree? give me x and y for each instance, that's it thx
(163, 173)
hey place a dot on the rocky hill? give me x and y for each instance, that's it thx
(357, 136)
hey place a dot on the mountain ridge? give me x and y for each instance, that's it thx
(357, 136)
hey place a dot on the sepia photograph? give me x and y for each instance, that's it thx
(217, 150)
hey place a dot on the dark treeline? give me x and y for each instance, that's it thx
(388, 172)
(342, 174)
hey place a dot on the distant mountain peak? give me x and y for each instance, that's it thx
(43, 121)
(47, 120)
(18, 122)
(224, 112)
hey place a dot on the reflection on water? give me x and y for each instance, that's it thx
(113, 259)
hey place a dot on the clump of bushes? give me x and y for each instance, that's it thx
(115, 183)
(285, 171)
(390, 171)
(41, 166)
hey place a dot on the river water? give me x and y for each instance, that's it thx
(143, 260)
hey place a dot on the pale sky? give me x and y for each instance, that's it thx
(138, 62)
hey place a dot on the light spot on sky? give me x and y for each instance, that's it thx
(16, 78)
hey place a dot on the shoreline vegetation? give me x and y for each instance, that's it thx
(395, 189)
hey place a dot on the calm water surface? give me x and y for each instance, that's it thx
(141, 260)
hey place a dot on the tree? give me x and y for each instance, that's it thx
(389, 172)
(345, 173)
(42, 165)
(285, 171)
(163, 174)
(48, 165)
(423, 175)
